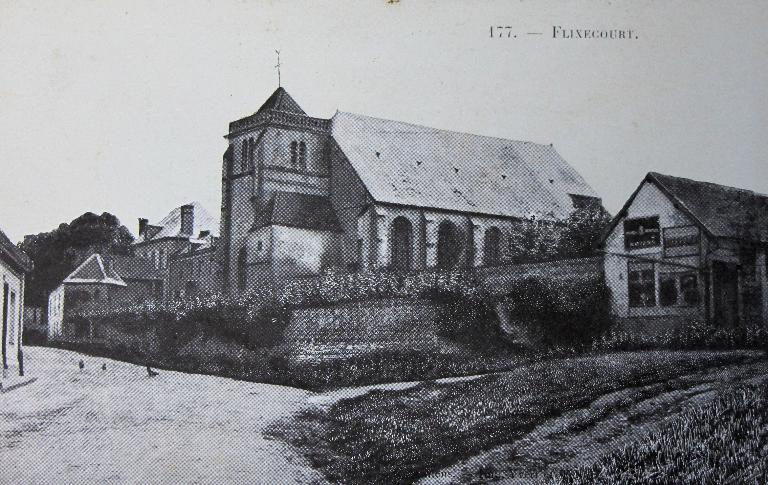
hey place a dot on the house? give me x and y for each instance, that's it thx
(302, 194)
(35, 323)
(682, 250)
(194, 270)
(101, 282)
(14, 265)
(185, 230)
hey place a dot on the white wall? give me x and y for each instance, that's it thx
(13, 335)
(649, 202)
(55, 312)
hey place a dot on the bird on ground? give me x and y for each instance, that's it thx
(104, 366)
(81, 364)
(151, 372)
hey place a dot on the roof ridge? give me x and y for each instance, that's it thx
(444, 130)
(714, 184)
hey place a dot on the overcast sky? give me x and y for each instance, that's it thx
(121, 106)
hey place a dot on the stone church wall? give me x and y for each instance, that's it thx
(361, 327)
(349, 198)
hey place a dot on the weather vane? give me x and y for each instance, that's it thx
(277, 66)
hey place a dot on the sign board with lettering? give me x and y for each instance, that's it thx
(681, 241)
(641, 232)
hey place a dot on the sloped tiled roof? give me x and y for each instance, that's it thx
(94, 270)
(170, 225)
(723, 211)
(13, 255)
(407, 164)
(298, 210)
(132, 268)
(720, 210)
(280, 100)
(113, 270)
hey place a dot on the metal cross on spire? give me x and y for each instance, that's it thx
(277, 66)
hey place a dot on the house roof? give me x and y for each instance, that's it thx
(720, 210)
(304, 211)
(132, 268)
(113, 270)
(170, 225)
(280, 100)
(94, 270)
(407, 164)
(13, 255)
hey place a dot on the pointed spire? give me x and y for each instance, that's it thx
(280, 100)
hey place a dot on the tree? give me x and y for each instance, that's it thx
(582, 231)
(533, 241)
(57, 253)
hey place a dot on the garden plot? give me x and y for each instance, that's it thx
(404, 435)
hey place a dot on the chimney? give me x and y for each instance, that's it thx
(143, 226)
(187, 219)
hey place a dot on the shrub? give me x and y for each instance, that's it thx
(691, 336)
(567, 310)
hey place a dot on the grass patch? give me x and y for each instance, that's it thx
(398, 437)
(725, 441)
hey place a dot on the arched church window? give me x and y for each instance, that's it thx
(251, 151)
(302, 156)
(294, 153)
(242, 269)
(449, 245)
(492, 247)
(244, 155)
(402, 244)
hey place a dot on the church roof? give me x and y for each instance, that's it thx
(280, 100)
(170, 225)
(294, 209)
(407, 164)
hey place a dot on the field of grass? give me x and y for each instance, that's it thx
(398, 437)
(725, 441)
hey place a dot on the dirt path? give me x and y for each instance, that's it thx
(582, 436)
(120, 426)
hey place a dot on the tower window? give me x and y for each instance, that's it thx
(294, 154)
(244, 155)
(302, 156)
(251, 150)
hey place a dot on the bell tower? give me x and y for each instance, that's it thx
(279, 148)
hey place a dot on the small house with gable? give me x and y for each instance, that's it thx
(681, 251)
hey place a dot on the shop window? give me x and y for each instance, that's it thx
(642, 284)
(678, 289)
(667, 290)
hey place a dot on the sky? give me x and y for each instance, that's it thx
(122, 106)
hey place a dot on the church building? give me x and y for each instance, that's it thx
(301, 195)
